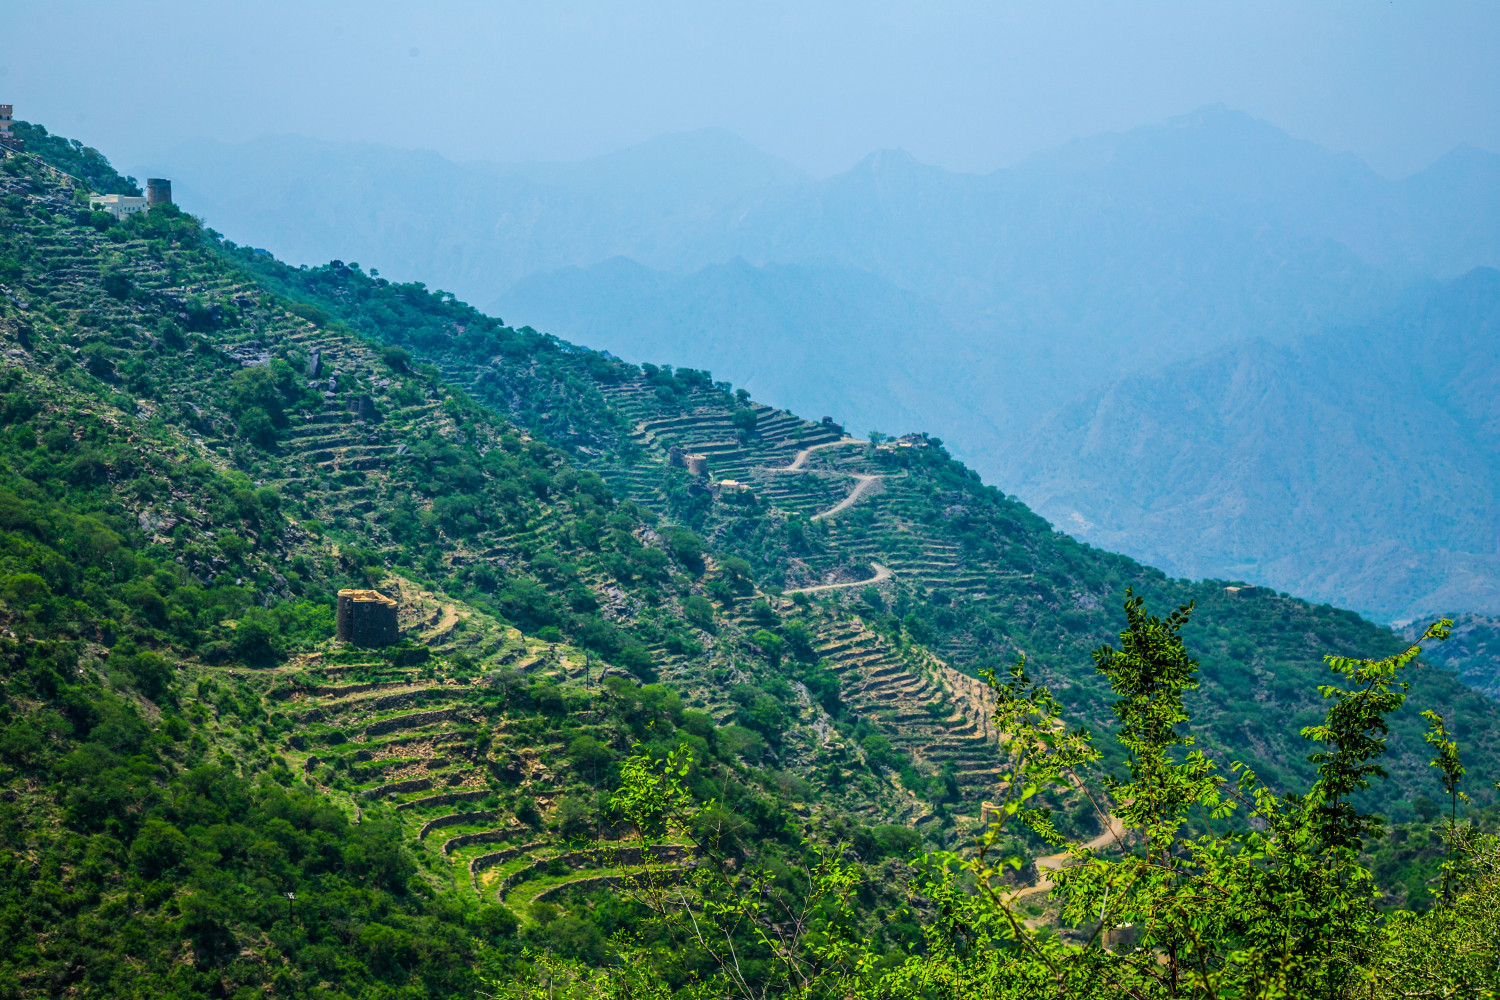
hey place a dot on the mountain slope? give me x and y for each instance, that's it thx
(1363, 464)
(1473, 652)
(183, 487)
(182, 740)
(973, 574)
(1022, 289)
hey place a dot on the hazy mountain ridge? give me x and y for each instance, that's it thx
(477, 227)
(900, 295)
(1440, 221)
(819, 334)
(1354, 466)
(1114, 253)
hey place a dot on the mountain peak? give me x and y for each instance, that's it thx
(1211, 147)
(1464, 163)
(886, 167)
(1214, 115)
(882, 160)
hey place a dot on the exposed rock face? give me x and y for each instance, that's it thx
(367, 618)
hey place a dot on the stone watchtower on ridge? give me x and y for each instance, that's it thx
(7, 137)
(367, 618)
(158, 192)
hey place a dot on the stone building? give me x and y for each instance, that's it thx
(158, 191)
(367, 618)
(7, 137)
(696, 465)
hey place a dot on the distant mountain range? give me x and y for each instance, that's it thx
(1360, 466)
(899, 296)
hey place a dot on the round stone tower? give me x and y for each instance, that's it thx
(367, 618)
(158, 192)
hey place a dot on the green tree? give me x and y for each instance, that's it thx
(687, 547)
(1452, 771)
(588, 755)
(698, 611)
(744, 422)
(770, 644)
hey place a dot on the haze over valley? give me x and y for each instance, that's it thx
(990, 309)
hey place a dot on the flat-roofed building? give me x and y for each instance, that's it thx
(118, 205)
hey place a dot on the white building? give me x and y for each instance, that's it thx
(118, 205)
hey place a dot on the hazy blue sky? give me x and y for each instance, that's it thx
(969, 86)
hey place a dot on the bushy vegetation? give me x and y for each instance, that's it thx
(1183, 901)
(73, 157)
(167, 867)
(1025, 587)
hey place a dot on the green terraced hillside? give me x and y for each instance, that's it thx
(192, 467)
(896, 533)
(201, 446)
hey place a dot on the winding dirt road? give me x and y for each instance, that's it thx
(801, 459)
(1114, 830)
(1053, 862)
(881, 575)
(865, 482)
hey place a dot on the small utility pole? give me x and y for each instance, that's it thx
(290, 898)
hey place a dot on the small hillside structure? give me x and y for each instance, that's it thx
(7, 137)
(118, 205)
(696, 465)
(366, 618)
(158, 192)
